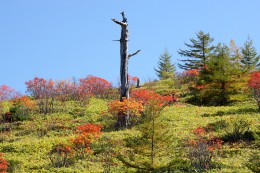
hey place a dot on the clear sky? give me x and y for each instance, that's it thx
(60, 39)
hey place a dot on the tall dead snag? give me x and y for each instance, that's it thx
(124, 57)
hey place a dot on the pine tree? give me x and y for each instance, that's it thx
(151, 149)
(250, 60)
(165, 69)
(198, 53)
(219, 75)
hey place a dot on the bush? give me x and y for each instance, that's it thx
(254, 84)
(201, 150)
(125, 111)
(88, 133)
(250, 136)
(253, 163)
(61, 155)
(3, 164)
(236, 129)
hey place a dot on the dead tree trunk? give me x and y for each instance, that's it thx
(124, 57)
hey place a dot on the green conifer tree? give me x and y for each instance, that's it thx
(250, 59)
(218, 75)
(198, 52)
(165, 69)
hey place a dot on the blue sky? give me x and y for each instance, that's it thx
(60, 39)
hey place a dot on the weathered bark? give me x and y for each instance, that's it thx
(124, 57)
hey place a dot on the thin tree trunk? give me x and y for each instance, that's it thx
(124, 57)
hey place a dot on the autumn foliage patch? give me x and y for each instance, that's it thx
(201, 149)
(3, 164)
(87, 134)
(130, 106)
(254, 84)
(92, 85)
(145, 96)
(61, 155)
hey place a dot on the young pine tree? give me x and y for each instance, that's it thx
(250, 59)
(165, 69)
(151, 151)
(198, 52)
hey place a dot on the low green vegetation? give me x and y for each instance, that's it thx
(27, 144)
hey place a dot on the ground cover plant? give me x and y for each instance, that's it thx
(51, 143)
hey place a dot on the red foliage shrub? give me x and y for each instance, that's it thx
(92, 85)
(201, 150)
(3, 164)
(211, 141)
(90, 129)
(254, 81)
(193, 72)
(65, 90)
(254, 84)
(88, 133)
(199, 131)
(40, 88)
(132, 80)
(7, 93)
(145, 96)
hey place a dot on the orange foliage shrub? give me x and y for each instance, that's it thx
(24, 101)
(193, 72)
(145, 96)
(3, 164)
(127, 105)
(88, 133)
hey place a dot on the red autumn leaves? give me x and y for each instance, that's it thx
(3, 164)
(254, 84)
(139, 99)
(7, 93)
(87, 134)
(254, 81)
(65, 90)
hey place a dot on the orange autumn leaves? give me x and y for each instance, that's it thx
(87, 134)
(3, 164)
(78, 146)
(24, 101)
(130, 106)
(211, 142)
(136, 104)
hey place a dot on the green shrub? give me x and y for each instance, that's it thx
(236, 129)
(13, 165)
(217, 126)
(250, 136)
(254, 162)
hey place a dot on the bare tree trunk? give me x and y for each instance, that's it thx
(124, 57)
